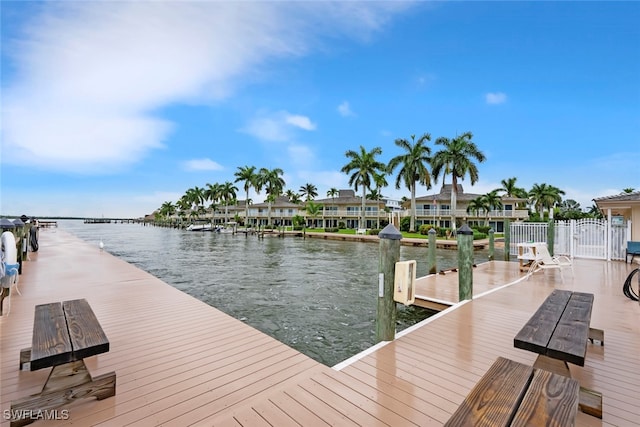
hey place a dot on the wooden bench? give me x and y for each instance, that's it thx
(633, 249)
(514, 394)
(361, 231)
(63, 335)
(559, 332)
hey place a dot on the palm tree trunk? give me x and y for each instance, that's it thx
(362, 216)
(246, 211)
(412, 224)
(454, 199)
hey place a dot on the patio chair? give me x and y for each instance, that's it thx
(544, 261)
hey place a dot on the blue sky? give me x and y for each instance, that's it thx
(111, 108)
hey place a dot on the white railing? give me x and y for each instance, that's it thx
(462, 213)
(585, 238)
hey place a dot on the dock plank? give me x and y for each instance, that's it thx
(432, 368)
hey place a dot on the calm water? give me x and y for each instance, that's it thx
(317, 296)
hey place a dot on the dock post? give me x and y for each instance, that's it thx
(431, 255)
(507, 240)
(491, 244)
(551, 234)
(389, 254)
(465, 263)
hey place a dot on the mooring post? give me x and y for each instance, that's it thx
(507, 240)
(551, 234)
(465, 263)
(431, 255)
(491, 244)
(389, 254)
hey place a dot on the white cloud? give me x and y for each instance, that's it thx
(345, 109)
(302, 122)
(495, 98)
(278, 126)
(88, 77)
(202, 165)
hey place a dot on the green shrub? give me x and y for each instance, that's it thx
(482, 229)
(342, 225)
(297, 228)
(442, 232)
(478, 236)
(424, 229)
(331, 230)
(373, 232)
(405, 223)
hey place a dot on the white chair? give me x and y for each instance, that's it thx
(544, 261)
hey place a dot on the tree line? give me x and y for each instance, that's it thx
(457, 157)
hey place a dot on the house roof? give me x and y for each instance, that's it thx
(622, 197)
(347, 197)
(445, 195)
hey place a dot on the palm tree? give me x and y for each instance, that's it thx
(364, 166)
(248, 175)
(192, 199)
(493, 202)
(457, 157)
(332, 192)
(167, 209)
(227, 196)
(545, 196)
(271, 180)
(628, 190)
(381, 181)
(595, 212)
(313, 209)
(414, 168)
(308, 190)
(477, 205)
(292, 196)
(212, 194)
(376, 196)
(509, 189)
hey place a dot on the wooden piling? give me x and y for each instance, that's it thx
(491, 244)
(431, 255)
(507, 240)
(465, 263)
(550, 236)
(389, 254)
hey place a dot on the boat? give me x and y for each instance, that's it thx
(200, 227)
(229, 228)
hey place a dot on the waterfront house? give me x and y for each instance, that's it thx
(435, 209)
(620, 209)
(346, 209)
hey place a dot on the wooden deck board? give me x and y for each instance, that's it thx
(180, 362)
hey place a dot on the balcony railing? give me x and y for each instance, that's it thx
(462, 213)
(343, 213)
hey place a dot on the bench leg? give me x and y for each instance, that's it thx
(590, 402)
(66, 383)
(596, 335)
(550, 364)
(25, 357)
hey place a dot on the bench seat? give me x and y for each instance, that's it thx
(559, 328)
(63, 335)
(514, 394)
(633, 249)
(65, 332)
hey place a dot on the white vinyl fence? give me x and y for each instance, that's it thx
(584, 238)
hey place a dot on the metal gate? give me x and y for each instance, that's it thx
(584, 238)
(590, 238)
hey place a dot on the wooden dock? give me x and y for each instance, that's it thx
(181, 362)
